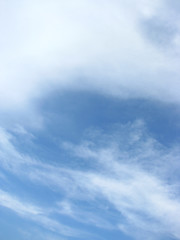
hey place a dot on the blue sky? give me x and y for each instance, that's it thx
(89, 120)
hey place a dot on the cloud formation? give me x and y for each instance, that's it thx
(123, 185)
(109, 47)
(36, 214)
(127, 181)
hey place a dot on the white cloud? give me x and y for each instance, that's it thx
(87, 44)
(14, 204)
(134, 177)
(137, 183)
(36, 214)
(85, 216)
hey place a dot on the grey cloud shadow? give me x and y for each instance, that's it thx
(159, 32)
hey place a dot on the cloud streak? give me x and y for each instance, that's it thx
(36, 214)
(143, 196)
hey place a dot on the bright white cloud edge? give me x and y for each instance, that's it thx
(94, 45)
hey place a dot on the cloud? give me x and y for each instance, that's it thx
(23, 209)
(94, 45)
(132, 181)
(36, 214)
(128, 181)
(84, 215)
(136, 181)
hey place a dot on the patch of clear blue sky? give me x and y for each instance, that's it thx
(68, 115)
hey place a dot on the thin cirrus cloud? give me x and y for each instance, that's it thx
(35, 214)
(124, 186)
(88, 45)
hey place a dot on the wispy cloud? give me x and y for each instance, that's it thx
(125, 180)
(14, 204)
(85, 215)
(36, 214)
(128, 181)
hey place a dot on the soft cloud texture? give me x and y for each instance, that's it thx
(110, 47)
(121, 183)
(36, 214)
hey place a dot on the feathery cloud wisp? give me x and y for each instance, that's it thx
(143, 195)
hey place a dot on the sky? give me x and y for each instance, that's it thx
(89, 120)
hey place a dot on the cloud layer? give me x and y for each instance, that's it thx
(126, 184)
(123, 180)
(122, 49)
